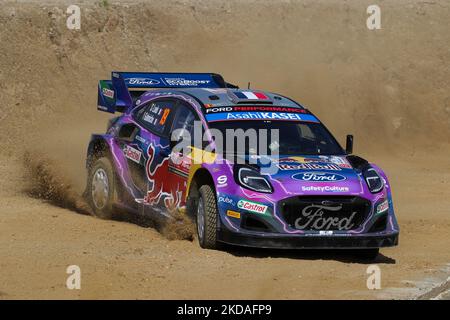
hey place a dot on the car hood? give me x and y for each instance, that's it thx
(312, 175)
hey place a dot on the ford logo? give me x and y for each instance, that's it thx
(318, 177)
(142, 81)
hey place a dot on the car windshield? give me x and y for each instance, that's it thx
(295, 138)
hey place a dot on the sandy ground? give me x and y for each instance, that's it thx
(388, 87)
(123, 260)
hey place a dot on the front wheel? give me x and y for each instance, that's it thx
(101, 188)
(206, 217)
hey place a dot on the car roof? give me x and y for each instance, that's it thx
(226, 104)
(221, 97)
(226, 97)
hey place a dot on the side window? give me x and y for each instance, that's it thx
(156, 116)
(184, 119)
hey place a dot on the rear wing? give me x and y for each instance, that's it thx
(119, 93)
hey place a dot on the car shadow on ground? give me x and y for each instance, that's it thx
(341, 255)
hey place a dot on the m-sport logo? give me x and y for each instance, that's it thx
(318, 177)
(142, 81)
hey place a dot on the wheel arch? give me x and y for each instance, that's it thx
(200, 177)
(98, 147)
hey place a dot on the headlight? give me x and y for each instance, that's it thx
(251, 179)
(373, 180)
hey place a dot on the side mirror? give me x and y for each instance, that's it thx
(349, 144)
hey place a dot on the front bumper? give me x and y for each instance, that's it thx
(283, 241)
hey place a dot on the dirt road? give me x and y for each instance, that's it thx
(390, 88)
(124, 260)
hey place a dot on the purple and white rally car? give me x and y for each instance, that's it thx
(298, 188)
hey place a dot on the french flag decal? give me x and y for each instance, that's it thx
(250, 95)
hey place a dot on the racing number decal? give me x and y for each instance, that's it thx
(164, 116)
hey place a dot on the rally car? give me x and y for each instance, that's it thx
(315, 195)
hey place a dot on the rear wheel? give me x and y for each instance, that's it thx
(101, 189)
(206, 218)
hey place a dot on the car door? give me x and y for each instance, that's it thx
(179, 162)
(152, 140)
(126, 139)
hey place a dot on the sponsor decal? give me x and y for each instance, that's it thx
(252, 206)
(149, 118)
(180, 171)
(284, 116)
(268, 108)
(140, 139)
(233, 214)
(218, 109)
(320, 159)
(170, 193)
(312, 218)
(211, 109)
(325, 189)
(142, 81)
(309, 166)
(318, 177)
(382, 207)
(157, 94)
(179, 164)
(341, 162)
(108, 93)
(222, 181)
(133, 154)
(185, 82)
(226, 200)
(155, 109)
(264, 116)
(301, 160)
